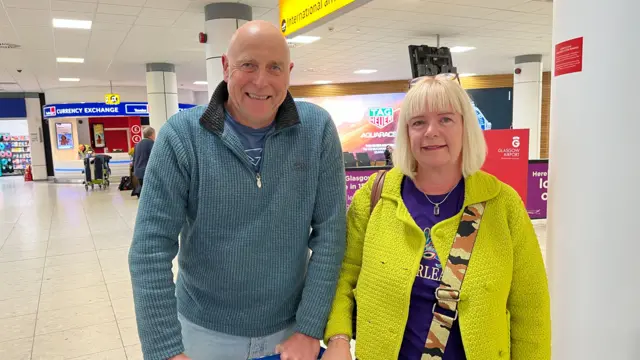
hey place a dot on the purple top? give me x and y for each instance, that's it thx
(428, 277)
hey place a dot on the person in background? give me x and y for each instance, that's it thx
(141, 156)
(447, 264)
(387, 155)
(242, 181)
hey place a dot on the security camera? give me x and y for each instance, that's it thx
(19, 70)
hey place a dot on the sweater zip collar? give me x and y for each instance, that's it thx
(213, 117)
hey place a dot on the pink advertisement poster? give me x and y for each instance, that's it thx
(366, 123)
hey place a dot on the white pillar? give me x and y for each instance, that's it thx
(162, 93)
(221, 21)
(593, 240)
(36, 140)
(527, 99)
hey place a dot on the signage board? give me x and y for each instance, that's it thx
(297, 16)
(112, 99)
(54, 111)
(537, 186)
(508, 157)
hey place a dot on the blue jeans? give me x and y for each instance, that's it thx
(205, 344)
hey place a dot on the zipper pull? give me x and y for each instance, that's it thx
(259, 180)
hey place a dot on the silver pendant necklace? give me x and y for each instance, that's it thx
(436, 206)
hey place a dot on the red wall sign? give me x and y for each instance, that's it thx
(135, 130)
(508, 157)
(568, 57)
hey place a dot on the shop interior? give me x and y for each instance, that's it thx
(109, 135)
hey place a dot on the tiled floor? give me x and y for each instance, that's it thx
(65, 291)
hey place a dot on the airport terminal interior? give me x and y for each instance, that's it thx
(81, 81)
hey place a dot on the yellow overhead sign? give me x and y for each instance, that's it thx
(296, 15)
(112, 99)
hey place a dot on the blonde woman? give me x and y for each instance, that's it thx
(446, 265)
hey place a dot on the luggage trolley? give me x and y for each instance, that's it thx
(101, 171)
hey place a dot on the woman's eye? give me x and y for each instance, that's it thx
(446, 120)
(418, 123)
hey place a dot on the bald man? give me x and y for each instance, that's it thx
(251, 183)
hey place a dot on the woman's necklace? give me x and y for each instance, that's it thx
(436, 206)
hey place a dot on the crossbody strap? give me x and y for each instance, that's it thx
(376, 189)
(448, 293)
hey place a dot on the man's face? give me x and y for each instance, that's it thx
(257, 74)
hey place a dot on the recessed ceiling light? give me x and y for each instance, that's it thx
(365, 71)
(200, 83)
(466, 74)
(461, 49)
(72, 24)
(70, 60)
(322, 82)
(69, 79)
(303, 39)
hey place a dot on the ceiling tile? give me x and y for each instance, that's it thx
(115, 19)
(190, 20)
(25, 17)
(27, 4)
(33, 38)
(148, 21)
(75, 6)
(160, 14)
(109, 26)
(180, 5)
(119, 9)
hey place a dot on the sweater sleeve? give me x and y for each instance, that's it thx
(528, 304)
(161, 215)
(327, 239)
(341, 316)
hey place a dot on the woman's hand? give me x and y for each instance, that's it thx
(338, 349)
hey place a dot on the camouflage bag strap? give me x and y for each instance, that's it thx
(448, 293)
(376, 189)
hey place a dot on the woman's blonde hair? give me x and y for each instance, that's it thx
(440, 95)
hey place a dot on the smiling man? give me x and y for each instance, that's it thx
(242, 181)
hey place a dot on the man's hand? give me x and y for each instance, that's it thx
(299, 347)
(180, 357)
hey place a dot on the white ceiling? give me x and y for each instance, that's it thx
(126, 34)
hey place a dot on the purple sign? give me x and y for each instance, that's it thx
(355, 180)
(537, 185)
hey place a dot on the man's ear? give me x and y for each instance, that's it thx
(225, 67)
(291, 66)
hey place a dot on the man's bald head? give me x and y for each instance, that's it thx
(257, 31)
(257, 67)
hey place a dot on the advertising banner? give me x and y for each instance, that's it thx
(98, 135)
(135, 130)
(64, 136)
(508, 157)
(356, 178)
(537, 189)
(366, 123)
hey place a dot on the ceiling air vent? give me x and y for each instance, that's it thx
(8, 46)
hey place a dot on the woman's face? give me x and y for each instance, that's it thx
(436, 138)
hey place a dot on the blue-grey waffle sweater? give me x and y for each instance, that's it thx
(244, 266)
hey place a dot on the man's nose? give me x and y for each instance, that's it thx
(260, 78)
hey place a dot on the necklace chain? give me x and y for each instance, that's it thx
(436, 206)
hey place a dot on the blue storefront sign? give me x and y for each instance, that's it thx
(54, 111)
